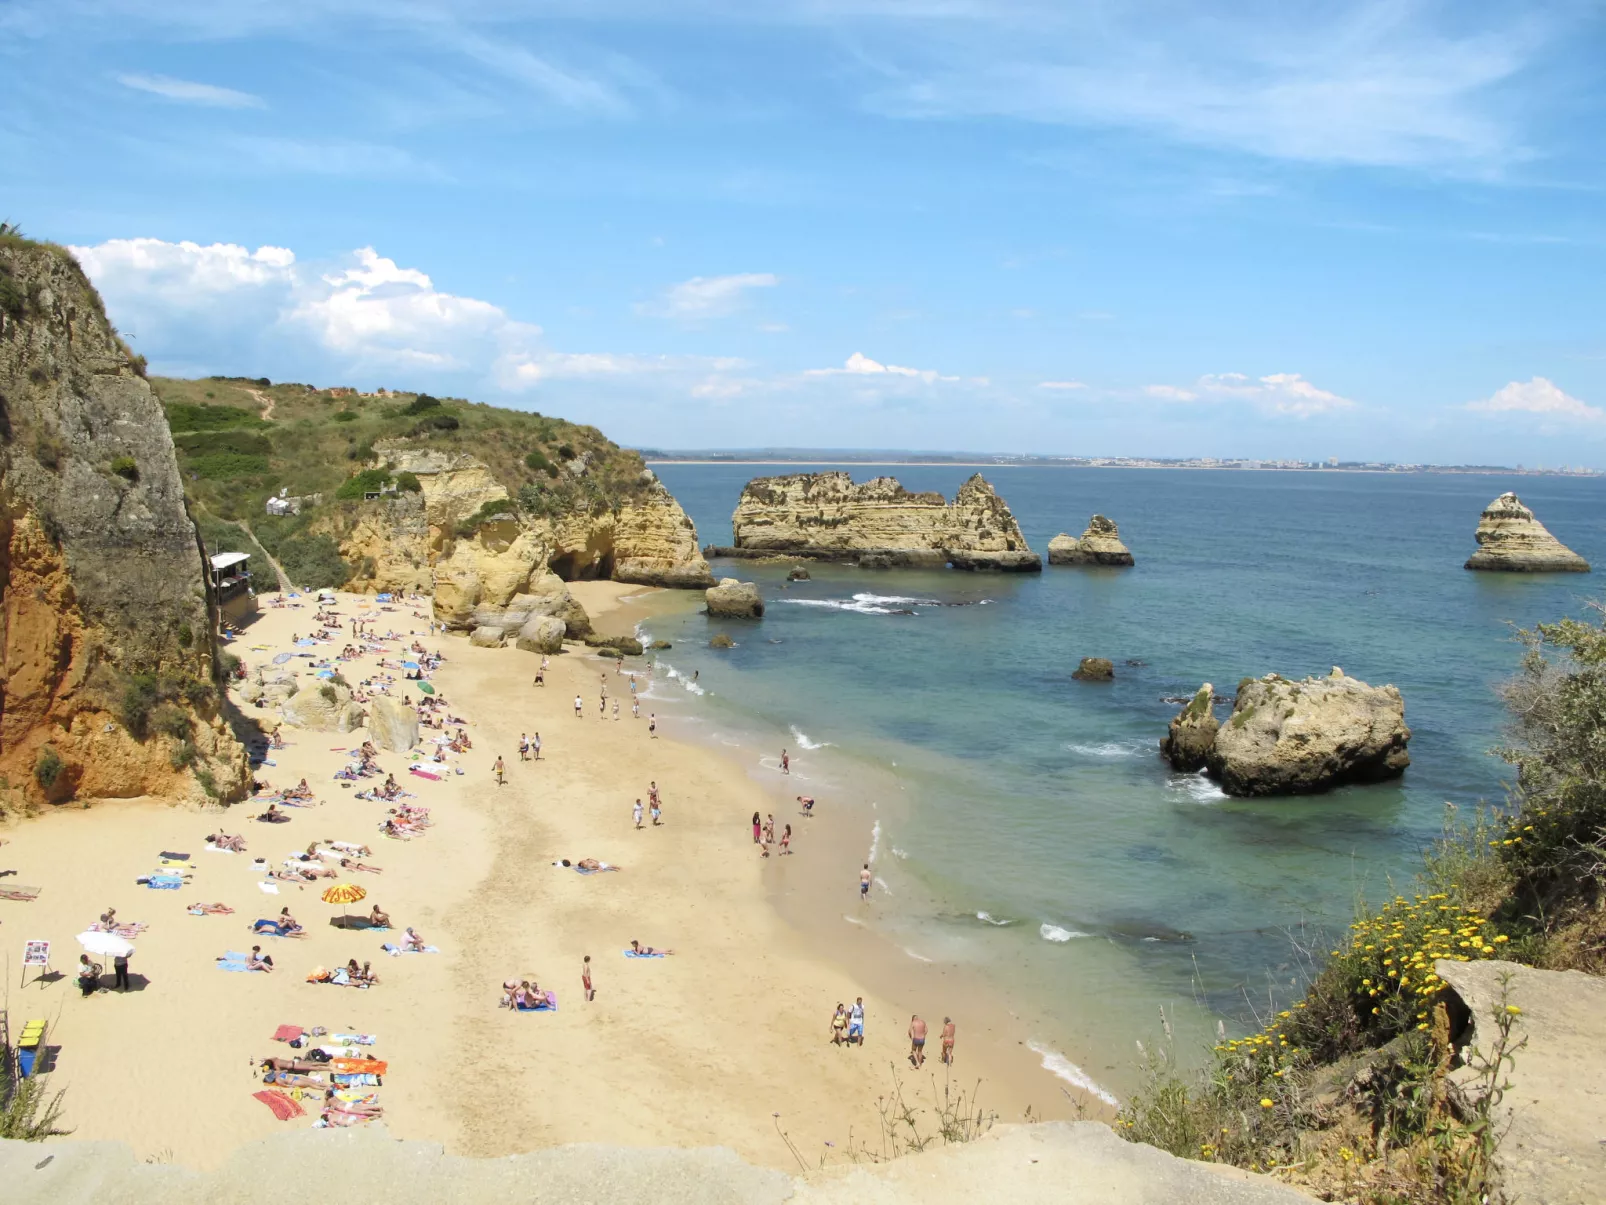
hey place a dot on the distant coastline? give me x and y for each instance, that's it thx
(929, 460)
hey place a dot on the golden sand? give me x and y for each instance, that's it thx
(702, 1048)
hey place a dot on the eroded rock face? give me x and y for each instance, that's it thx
(101, 576)
(541, 634)
(1292, 738)
(414, 541)
(825, 516)
(487, 637)
(1095, 669)
(1187, 742)
(1100, 545)
(1510, 539)
(732, 599)
(322, 706)
(392, 724)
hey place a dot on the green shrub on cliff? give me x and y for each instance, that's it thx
(47, 769)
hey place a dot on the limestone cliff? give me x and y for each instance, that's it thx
(107, 686)
(461, 538)
(1100, 545)
(1511, 539)
(878, 524)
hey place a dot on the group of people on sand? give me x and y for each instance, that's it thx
(764, 835)
(655, 804)
(847, 1029)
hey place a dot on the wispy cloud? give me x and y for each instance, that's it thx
(1537, 396)
(191, 93)
(708, 296)
(1279, 393)
(861, 365)
(1061, 385)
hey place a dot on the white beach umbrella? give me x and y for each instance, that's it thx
(108, 944)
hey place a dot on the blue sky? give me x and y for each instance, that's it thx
(1355, 230)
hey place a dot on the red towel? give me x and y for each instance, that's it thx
(283, 1107)
(287, 1033)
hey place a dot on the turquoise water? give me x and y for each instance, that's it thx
(1023, 822)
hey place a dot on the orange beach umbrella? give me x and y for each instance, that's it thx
(344, 893)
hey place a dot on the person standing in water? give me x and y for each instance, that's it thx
(864, 883)
(786, 763)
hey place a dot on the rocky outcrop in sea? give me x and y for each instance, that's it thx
(1294, 738)
(732, 599)
(1100, 545)
(1511, 540)
(111, 671)
(877, 524)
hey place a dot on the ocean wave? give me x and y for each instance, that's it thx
(1111, 749)
(1197, 787)
(852, 920)
(989, 919)
(900, 854)
(803, 741)
(882, 883)
(875, 842)
(1058, 1065)
(675, 675)
(1054, 933)
(912, 954)
(866, 604)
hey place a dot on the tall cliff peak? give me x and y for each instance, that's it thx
(105, 629)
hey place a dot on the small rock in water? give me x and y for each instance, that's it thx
(721, 641)
(1095, 669)
(1135, 663)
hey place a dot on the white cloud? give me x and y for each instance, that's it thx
(708, 296)
(1061, 385)
(861, 365)
(191, 93)
(1538, 396)
(241, 311)
(1280, 393)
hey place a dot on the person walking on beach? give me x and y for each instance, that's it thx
(864, 884)
(917, 1042)
(948, 1041)
(856, 1022)
(769, 829)
(652, 725)
(635, 708)
(616, 711)
(501, 777)
(585, 979)
(637, 813)
(657, 812)
(786, 840)
(524, 747)
(602, 706)
(758, 828)
(535, 746)
(786, 763)
(579, 707)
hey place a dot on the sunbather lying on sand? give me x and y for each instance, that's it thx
(290, 1079)
(273, 815)
(349, 864)
(210, 910)
(638, 948)
(222, 840)
(348, 847)
(335, 1104)
(277, 1064)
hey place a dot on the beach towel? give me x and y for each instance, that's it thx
(424, 774)
(639, 954)
(604, 868)
(551, 1005)
(360, 1066)
(268, 888)
(169, 856)
(283, 1107)
(356, 1039)
(161, 883)
(235, 967)
(281, 658)
(218, 849)
(287, 1033)
(363, 1080)
(396, 951)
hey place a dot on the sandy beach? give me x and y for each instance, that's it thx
(704, 1047)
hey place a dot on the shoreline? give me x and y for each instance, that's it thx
(1199, 468)
(700, 1049)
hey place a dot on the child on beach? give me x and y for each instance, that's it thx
(786, 763)
(652, 725)
(786, 840)
(579, 707)
(585, 979)
(535, 746)
(657, 812)
(637, 813)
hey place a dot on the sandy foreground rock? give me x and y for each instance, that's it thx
(1511, 540)
(1294, 738)
(1081, 1163)
(1100, 544)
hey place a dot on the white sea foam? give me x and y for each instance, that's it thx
(1055, 933)
(1057, 1064)
(1197, 787)
(803, 741)
(898, 853)
(852, 920)
(912, 954)
(675, 675)
(865, 604)
(882, 883)
(989, 918)
(875, 842)
(1111, 749)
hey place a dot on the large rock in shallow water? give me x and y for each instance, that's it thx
(392, 724)
(732, 599)
(1293, 738)
(1511, 539)
(1193, 731)
(1095, 669)
(1100, 545)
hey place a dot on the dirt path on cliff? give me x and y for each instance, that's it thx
(264, 401)
(285, 585)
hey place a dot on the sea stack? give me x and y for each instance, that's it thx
(1193, 731)
(1511, 540)
(877, 524)
(1100, 545)
(732, 599)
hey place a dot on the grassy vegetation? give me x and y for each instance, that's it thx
(241, 440)
(1348, 1091)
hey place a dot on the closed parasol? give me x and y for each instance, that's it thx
(343, 894)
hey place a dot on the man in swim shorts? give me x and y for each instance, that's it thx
(864, 882)
(856, 1022)
(917, 1042)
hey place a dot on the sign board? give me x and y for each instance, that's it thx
(36, 954)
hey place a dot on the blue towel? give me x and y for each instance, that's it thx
(232, 966)
(396, 951)
(634, 954)
(234, 956)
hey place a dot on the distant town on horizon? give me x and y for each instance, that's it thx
(1006, 460)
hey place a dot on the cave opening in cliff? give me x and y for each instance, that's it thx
(571, 567)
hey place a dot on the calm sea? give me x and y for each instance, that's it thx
(1022, 822)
